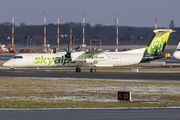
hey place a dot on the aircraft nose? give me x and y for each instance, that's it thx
(176, 54)
(6, 64)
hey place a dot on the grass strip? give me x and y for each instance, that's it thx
(64, 93)
(21, 104)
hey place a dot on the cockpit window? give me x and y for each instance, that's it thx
(178, 49)
(20, 57)
(14, 57)
(17, 57)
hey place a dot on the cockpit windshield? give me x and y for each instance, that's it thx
(17, 57)
(178, 49)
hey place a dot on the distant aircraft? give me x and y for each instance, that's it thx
(94, 59)
(176, 53)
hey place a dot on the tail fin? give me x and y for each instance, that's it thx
(156, 46)
(178, 47)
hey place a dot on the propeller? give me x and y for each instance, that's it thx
(68, 53)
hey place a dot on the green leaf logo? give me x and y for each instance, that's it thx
(157, 44)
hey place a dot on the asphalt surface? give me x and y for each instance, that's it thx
(87, 75)
(92, 114)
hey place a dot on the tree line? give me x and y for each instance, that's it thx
(107, 34)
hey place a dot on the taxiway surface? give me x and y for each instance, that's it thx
(92, 114)
(87, 75)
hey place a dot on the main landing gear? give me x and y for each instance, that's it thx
(78, 70)
(92, 70)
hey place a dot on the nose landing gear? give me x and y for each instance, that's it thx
(11, 69)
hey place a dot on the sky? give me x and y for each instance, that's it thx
(138, 13)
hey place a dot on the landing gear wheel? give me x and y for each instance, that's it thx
(92, 70)
(11, 69)
(78, 70)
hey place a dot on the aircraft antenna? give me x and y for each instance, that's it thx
(12, 30)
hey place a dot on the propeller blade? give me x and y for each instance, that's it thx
(77, 48)
(68, 54)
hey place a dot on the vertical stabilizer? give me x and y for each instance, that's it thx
(178, 47)
(155, 48)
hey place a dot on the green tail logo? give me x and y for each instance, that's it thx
(155, 48)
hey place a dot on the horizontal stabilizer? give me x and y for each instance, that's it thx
(164, 30)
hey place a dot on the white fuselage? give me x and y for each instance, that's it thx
(176, 54)
(78, 59)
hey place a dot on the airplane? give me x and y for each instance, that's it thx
(176, 53)
(153, 51)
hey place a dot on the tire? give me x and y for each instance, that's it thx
(78, 70)
(92, 70)
(11, 69)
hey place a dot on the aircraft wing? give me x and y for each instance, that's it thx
(94, 52)
(86, 56)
